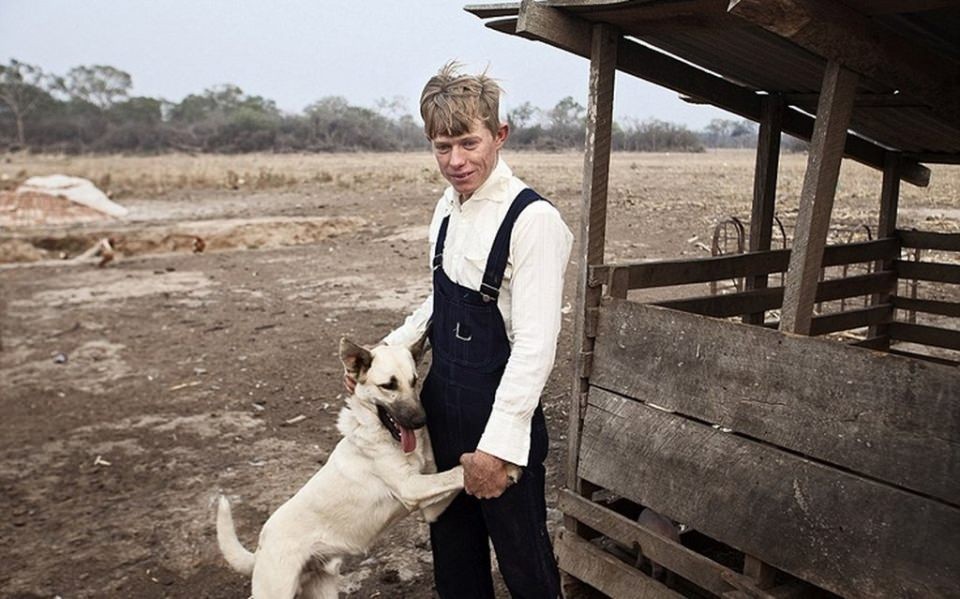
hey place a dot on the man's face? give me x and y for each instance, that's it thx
(467, 160)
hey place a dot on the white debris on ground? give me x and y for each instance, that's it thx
(76, 189)
(56, 200)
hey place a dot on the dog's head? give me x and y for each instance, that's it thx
(387, 383)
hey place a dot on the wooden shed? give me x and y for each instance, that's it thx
(799, 462)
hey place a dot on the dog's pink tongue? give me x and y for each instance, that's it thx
(408, 441)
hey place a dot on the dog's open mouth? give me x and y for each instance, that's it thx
(404, 436)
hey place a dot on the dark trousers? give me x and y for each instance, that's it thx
(515, 522)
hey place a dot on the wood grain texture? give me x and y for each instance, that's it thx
(765, 188)
(887, 417)
(816, 197)
(693, 566)
(593, 219)
(928, 271)
(838, 33)
(851, 319)
(850, 535)
(658, 68)
(664, 273)
(926, 335)
(927, 306)
(744, 302)
(929, 240)
(606, 573)
(887, 227)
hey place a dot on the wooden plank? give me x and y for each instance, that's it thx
(663, 273)
(860, 100)
(926, 306)
(887, 227)
(689, 564)
(845, 533)
(882, 7)
(765, 188)
(835, 289)
(816, 197)
(851, 319)
(889, 196)
(933, 157)
(928, 240)
(572, 35)
(604, 572)
(730, 304)
(487, 11)
(745, 302)
(864, 251)
(929, 358)
(676, 75)
(925, 335)
(762, 573)
(593, 222)
(841, 34)
(881, 343)
(887, 417)
(928, 271)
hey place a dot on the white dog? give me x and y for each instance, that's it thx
(381, 471)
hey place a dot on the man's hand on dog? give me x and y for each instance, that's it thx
(484, 476)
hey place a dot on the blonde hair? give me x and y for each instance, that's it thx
(451, 102)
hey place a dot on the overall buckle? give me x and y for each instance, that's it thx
(456, 332)
(491, 293)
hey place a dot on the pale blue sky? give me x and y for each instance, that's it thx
(297, 51)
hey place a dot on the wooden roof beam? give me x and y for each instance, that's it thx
(488, 11)
(836, 32)
(559, 29)
(889, 7)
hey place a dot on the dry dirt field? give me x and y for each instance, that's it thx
(182, 370)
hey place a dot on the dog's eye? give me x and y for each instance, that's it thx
(390, 386)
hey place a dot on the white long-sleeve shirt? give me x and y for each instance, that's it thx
(530, 297)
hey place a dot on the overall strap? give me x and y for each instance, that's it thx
(441, 239)
(500, 251)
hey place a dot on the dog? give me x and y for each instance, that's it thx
(665, 527)
(380, 471)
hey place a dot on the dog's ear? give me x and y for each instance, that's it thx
(419, 347)
(356, 360)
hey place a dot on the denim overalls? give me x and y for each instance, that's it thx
(470, 351)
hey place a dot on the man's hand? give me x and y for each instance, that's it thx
(484, 475)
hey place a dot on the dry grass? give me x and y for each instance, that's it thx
(145, 176)
(717, 182)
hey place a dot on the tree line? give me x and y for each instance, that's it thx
(91, 109)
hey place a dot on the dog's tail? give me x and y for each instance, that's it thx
(235, 553)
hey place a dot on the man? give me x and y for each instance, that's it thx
(498, 256)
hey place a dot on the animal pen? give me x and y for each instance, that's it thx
(801, 461)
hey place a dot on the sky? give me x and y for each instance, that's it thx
(298, 51)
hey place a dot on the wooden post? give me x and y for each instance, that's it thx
(765, 188)
(816, 197)
(763, 574)
(887, 227)
(593, 222)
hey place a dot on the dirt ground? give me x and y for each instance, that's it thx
(133, 394)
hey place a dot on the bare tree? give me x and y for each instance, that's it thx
(523, 116)
(101, 85)
(21, 90)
